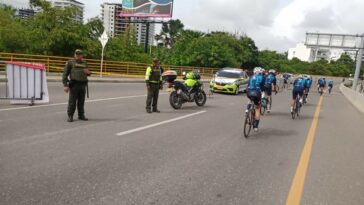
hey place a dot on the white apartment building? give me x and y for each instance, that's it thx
(141, 31)
(304, 53)
(70, 3)
(114, 24)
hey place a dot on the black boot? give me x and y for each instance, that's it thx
(83, 118)
(149, 111)
(70, 118)
(156, 110)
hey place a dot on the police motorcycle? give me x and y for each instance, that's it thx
(191, 90)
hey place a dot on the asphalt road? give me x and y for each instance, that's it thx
(191, 156)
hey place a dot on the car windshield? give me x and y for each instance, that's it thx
(225, 74)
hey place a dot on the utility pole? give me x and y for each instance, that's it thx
(359, 60)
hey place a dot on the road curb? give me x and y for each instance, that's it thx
(355, 98)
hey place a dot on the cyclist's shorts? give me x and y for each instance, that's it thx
(263, 89)
(268, 91)
(255, 96)
(296, 92)
(322, 86)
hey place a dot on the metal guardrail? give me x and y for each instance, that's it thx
(56, 64)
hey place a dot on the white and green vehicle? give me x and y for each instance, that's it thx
(229, 80)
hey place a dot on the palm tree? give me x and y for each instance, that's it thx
(171, 31)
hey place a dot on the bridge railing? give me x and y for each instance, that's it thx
(55, 64)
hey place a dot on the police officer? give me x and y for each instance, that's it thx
(153, 78)
(75, 81)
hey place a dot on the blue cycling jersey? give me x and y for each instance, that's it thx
(269, 80)
(308, 83)
(256, 82)
(322, 82)
(299, 84)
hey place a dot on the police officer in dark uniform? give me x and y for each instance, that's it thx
(153, 77)
(75, 82)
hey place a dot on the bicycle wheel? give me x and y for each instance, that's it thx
(264, 106)
(293, 113)
(247, 124)
(298, 106)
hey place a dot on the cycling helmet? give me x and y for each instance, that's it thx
(272, 71)
(257, 70)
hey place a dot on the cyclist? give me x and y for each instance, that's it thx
(285, 80)
(322, 84)
(254, 93)
(308, 85)
(270, 84)
(331, 85)
(318, 84)
(298, 89)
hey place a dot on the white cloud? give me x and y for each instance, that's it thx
(273, 24)
(332, 16)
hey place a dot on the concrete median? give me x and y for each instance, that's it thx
(356, 98)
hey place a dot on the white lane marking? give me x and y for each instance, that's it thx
(158, 124)
(65, 103)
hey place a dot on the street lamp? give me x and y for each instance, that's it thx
(103, 39)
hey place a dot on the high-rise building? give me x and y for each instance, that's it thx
(22, 11)
(141, 33)
(114, 24)
(70, 3)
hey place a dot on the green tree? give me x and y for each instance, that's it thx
(248, 52)
(55, 32)
(270, 59)
(124, 47)
(170, 33)
(13, 34)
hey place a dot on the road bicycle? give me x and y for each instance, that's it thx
(249, 119)
(296, 108)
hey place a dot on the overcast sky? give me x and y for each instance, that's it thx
(273, 24)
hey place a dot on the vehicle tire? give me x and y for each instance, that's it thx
(200, 98)
(175, 100)
(248, 124)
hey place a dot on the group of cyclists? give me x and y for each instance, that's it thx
(260, 84)
(263, 83)
(321, 85)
